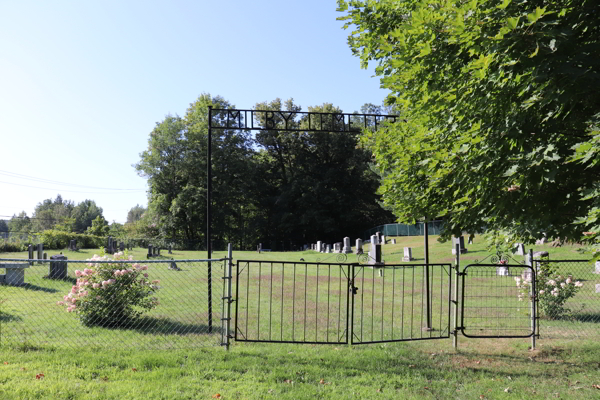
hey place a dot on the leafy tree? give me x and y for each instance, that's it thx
(20, 223)
(135, 213)
(318, 185)
(175, 164)
(500, 99)
(99, 227)
(84, 213)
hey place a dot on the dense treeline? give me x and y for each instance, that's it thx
(278, 188)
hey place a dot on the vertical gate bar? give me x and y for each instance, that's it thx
(449, 296)
(441, 295)
(294, 307)
(455, 302)
(339, 300)
(317, 307)
(271, 302)
(362, 298)
(423, 304)
(282, 298)
(328, 297)
(382, 298)
(372, 303)
(208, 215)
(427, 294)
(402, 315)
(532, 296)
(229, 299)
(350, 321)
(412, 303)
(393, 292)
(247, 297)
(305, 289)
(258, 314)
(237, 296)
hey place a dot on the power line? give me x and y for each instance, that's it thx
(76, 191)
(43, 180)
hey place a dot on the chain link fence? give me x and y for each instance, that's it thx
(568, 299)
(150, 304)
(417, 229)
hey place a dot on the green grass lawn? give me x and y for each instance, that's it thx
(170, 354)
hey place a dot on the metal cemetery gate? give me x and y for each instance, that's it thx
(291, 302)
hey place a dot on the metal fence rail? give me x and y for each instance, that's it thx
(36, 312)
(579, 315)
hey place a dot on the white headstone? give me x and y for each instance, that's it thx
(393, 241)
(502, 271)
(407, 254)
(319, 246)
(520, 249)
(382, 239)
(597, 267)
(328, 248)
(347, 247)
(374, 240)
(359, 246)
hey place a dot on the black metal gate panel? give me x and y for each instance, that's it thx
(292, 302)
(498, 301)
(404, 302)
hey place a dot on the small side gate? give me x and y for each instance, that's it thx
(322, 303)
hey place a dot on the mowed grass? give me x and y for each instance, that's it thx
(131, 364)
(481, 369)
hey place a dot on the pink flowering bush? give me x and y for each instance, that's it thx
(553, 290)
(111, 294)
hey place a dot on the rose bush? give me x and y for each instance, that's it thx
(553, 290)
(111, 294)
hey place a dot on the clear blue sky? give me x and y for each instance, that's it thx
(82, 83)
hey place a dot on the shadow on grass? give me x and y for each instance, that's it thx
(4, 317)
(36, 288)
(166, 326)
(593, 317)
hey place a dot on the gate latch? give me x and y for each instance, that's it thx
(351, 287)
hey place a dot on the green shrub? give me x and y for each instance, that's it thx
(111, 294)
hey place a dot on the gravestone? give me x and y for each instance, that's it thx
(374, 240)
(30, 254)
(540, 254)
(347, 247)
(336, 248)
(122, 246)
(542, 240)
(393, 241)
(109, 245)
(259, 248)
(40, 252)
(502, 271)
(520, 251)
(319, 246)
(471, 238)
(375, 255)
(170, 249)
(154, 250)
(461, 241)
(149, 251)
(407, 254)
(15, 274)
(382, 239)
(58, 267)
(359, 248)
(597, 267)
(158, 251)
(45, 256)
